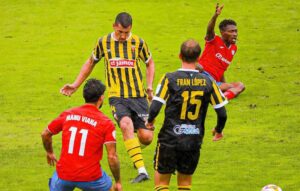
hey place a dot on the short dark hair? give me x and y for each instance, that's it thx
(223, 24)
(190, 50)
(124, 19)
(92, 90)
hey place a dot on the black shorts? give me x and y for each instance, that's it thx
(135, 108)
(167, 159)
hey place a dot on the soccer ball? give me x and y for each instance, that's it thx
(271, 187)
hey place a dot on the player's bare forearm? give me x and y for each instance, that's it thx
(113, 161)
(150, 70)
(210, 33)
(85, 71)
(114, 166)
(47, 141)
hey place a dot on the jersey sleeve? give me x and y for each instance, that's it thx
(217, 99)
(56, 125)
(162, 90)
(98, 52)
(144, 53)
(110, 133)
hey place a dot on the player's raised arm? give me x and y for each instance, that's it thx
(210, 33)
(86, 69)
(114, 164)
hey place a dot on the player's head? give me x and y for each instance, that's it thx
(93, 91)
(122, 26)
(228, 29)
(190, 51)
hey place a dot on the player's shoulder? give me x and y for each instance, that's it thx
(137, 38)
(104, 37)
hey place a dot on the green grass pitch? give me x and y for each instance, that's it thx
(44, 43)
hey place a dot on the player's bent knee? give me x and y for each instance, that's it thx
(145, 137)
(241, 86)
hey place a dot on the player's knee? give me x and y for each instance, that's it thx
(146, 138)
(241, 87)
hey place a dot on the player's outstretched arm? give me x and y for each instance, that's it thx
(210, 33)
(114, 165)
(86, 69)
(47, 142)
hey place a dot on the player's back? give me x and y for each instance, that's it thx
(84, 132)
(188, 97)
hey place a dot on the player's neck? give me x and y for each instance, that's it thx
(187, 65)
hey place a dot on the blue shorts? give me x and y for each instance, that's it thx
(208, 74)
(102, 184)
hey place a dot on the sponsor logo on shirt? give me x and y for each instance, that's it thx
(186, 129)
(121, 63)
(220, 57)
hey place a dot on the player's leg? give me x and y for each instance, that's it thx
(161, 181)
(184, 181)
(57, 184)
(122, 113)
(104, 183)
(231, 90)
(187, 162)
(140, 109)
(164, 165)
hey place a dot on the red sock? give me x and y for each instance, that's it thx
(229, 94)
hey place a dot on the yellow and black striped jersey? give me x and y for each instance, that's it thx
(187, 94)
(122, 64)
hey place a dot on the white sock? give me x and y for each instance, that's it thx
(142, 170)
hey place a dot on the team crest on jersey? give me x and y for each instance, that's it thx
(132, 48)
(232, 52)
(121, 63)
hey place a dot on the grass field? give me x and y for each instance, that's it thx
(44, 44)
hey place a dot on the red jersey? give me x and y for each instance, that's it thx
(84, 131)
(216, 57)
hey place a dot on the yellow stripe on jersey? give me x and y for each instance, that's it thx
(144, 53)
(157, 155)
(216, 96)
(137, 66)
(163, 93)
(131, 79)
(123, 74)
(115, 89)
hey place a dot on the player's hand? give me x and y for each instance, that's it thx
(219, 9)
(68, 89)
(217, 136)
(117, 187)
(51, 159)
(150, 94)
(150, 126)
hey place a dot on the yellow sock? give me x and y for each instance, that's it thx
(184, 187)
(135, 152)
(161, 188)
